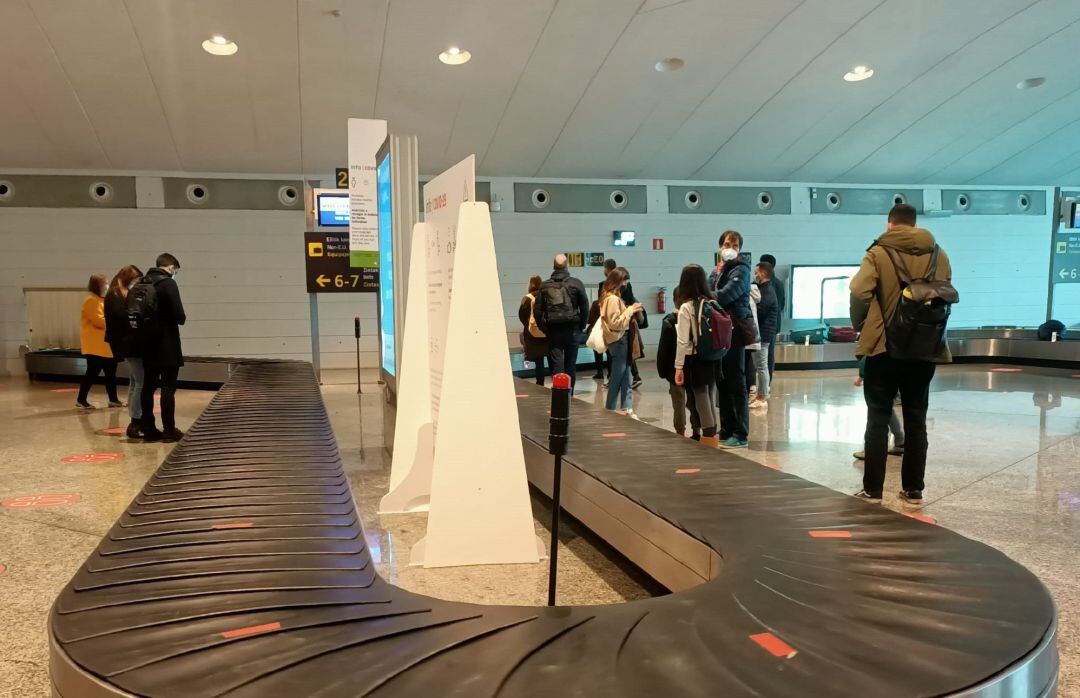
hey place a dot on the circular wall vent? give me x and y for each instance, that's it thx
(101, 192)
(541, 198)
(197, 193)
(764, 200)
(898, 199)
(832, 200)
(693, 199)
(7, 190)
(1023, 202)
(288, 195)
(619, 199)
(963, 202)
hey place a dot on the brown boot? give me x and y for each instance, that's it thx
(710, 441)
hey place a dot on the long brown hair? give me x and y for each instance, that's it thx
(124, 278)
(534, 284)
(614, 280)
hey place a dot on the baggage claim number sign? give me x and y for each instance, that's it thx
(326, 261)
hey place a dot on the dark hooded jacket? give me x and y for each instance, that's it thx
(165, 350)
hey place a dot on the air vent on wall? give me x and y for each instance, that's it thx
(693, 199)
(832, 200)
(765, 200)
(101, 192)
(898, 199)
(1023, 202)
(618, 199)
(287, 195)
(541, 198)
(963, 202)
(197, 193)
(7, 190)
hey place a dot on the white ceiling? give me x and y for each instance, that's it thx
(556, 88)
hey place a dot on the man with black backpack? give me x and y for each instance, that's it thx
(155, 314)
(562, 311)
(900, 300)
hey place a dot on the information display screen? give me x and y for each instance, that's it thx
(386, 264)
(808, 291)
(333, 209)
(625, 238)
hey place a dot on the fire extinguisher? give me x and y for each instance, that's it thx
(661, 300)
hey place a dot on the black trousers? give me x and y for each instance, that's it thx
(163, 378)
(562, 355)
(772, 356)
(732, 398)
(882, 378)
(94, 366)
(750, 370)
(601, 364)
(540, 371)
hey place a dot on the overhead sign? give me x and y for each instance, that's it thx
(575, 259)
(341, 177)
(594, 259)
(326, 265)
(1067, 258)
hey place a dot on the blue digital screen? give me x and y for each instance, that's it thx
(333, 209)
(386, 265)
(625, 238)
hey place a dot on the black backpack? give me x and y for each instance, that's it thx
(142, 310)
(559, 308)
(1047, 329)
(916, 330)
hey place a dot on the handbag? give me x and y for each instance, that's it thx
(596, 338)
(747, 329)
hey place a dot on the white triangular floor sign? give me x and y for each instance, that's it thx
(480, 509)
(414, 448)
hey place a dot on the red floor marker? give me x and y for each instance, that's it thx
(830, 534)
(1076, 375)
(774, 645)
(921, 517)
(1006, 370)
(243, 524)
(64, 390)
(39, 501)
(614, 435)
(521, 396)
(2, 568)
(687, 471)
(92, 457)
(774, 467)
(252, 630)
(114, 431)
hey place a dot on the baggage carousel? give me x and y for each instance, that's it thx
(241, 570)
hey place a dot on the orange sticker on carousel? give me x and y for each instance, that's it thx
(921, 517)
(614, 435)
(1006, 370)
(830, 534)
(64, 390)
(39, 501)
(774, 645)
(251, 630)
(92, 457)
(687, 471)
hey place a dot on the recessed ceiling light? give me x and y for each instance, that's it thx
(1030, 83)
(859, 73)
(455, 56)
(218, 45)
(669, 65)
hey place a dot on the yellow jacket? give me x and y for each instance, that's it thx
(92, 328)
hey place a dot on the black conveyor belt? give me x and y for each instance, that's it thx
(241, 570)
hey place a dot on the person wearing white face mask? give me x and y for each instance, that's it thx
(730, 285)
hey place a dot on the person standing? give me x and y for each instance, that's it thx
(616, 317)
(561, 312)
(875, 299)
(594, 314)
(781, 305)
(533, 339)
(666, 351)
(640, 323)
(121, 339)
(156, 299)
(692, 371)
(730, 285)
(93, 346)
(768, 315)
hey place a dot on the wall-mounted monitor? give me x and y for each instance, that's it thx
(332, 208)
(820, 291)
(385, 192)
(625, 238)
(1075, 218)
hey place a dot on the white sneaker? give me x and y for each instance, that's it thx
(759, 404)
(633, 415)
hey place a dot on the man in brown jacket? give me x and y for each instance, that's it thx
(877, 284)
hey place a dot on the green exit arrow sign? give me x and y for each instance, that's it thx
(1067, 258)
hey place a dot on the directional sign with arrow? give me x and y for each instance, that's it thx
(326, 262)
(1067, 258)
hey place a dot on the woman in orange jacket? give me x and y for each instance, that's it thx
(93, 346)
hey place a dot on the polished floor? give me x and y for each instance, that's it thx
(1004, 468)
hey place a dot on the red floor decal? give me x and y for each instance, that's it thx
(687, 471)
(770, 465)
(253, 630)
(64, 390)
(521, 396)
(92, 457)
(830, 534)
(113, 431)
(39, 501)
(774, 645)
(2, 568)
(615, 435)
(1006, 370)
(921, 517)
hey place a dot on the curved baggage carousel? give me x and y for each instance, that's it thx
(241, 570)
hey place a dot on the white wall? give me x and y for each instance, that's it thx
(1000, 263)
(242, 279)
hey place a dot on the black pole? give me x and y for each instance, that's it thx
(558, 436)
(356, 331)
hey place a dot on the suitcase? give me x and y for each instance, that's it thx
(815, 334)
(842, 334)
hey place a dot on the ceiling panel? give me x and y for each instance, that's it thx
(556, 88)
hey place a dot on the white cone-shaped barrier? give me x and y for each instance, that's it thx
(414, 447)
(480, 511)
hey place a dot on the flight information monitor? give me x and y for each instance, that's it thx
(818, 288)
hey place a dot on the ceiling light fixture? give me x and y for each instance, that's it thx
(455, 56)
(1030, 83)
(218, 45)
(859, 73)
(669, 65)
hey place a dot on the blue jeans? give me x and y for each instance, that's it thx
(619, 383)
(135, 386)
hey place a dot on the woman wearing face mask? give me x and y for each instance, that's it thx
(615, 317)
(730, 284)
(121, 339)
(92, 344)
